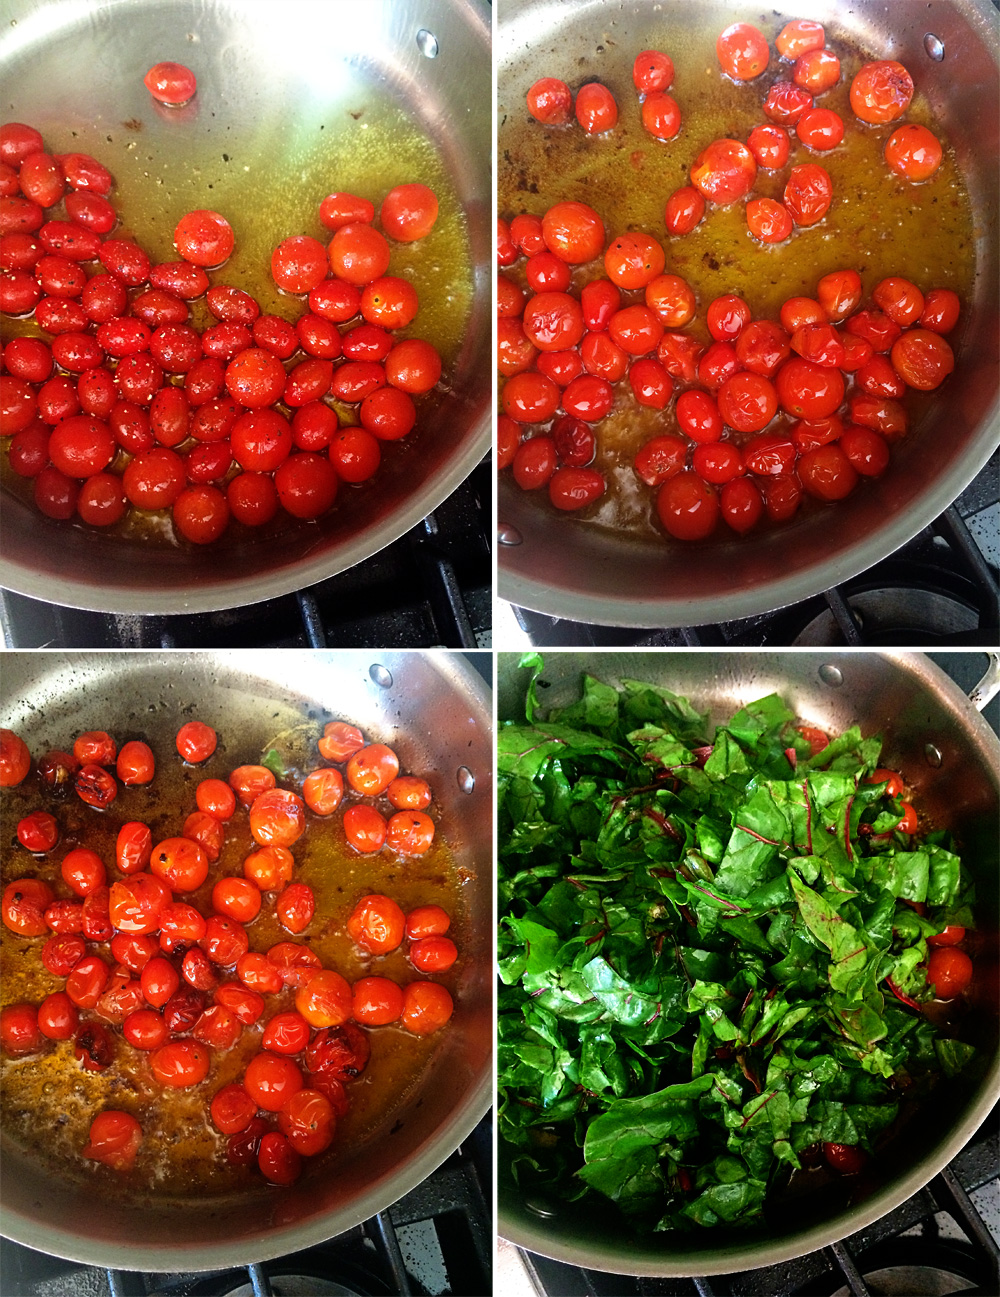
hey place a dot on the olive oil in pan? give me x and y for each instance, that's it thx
(49, 1101)
(878, 223)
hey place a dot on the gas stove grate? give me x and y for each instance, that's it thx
(431, 587)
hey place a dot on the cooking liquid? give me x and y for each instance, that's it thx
(49, 1101)
(877, 224)
(270, 189)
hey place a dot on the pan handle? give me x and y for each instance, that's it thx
(989, 686)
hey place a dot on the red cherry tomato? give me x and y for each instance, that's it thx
(923, 359)
(433, 954)
(232, 1109)
(660, 458)
(816, 71)
(595, 108)
(171, 83)
(377, 924)
(85, 984)
(136, 764)
(270, 868)
(15, 759)
(408, 793)
(574, 232)
(798, 37)
(181, 1064)
(340, 741)
(115, 1139)
(204, 238)
(427, 921)
(550, 101)
(881, 92)
(307, 1121)
(685, 208)
(58, 1017)
(376, 1001)
(83, 871)
(180, 862)
(20, 1033)
(687, 507)
(724, 172)
(913, 152)
(196, 741)
(742, 52)
(38, 832)
(827, 473)
(427, 1007)
(847, 1159)
(295, 907)
(953, 934)
(949, 971)
(372, 769)
(277, 818)
(270, 1079)
(808, 193)
(408, 212)
(325, 1000)
(24, 904)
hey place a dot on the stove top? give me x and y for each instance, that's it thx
(430, 588)
(939, 589)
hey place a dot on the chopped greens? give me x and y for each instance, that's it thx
(709, 955)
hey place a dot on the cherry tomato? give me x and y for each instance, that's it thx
(83, 871)
(698, 416)
(345, 209)
(339, 1051)
(136, 764)
(808, 193)
(133, 952)
(372, 769)
(172, 84)
(769, 145)
(687, 507)
(717, 462)
(891, 778)
(877, 377)
(15, 759)
(24, 904)
(58, 1017)
(569, 489)
(550, 101)
(717, 364)
(237, 898)
(847, 1159)
(295, 907)
(651, 384)
(62, 953)
(180, 1064)
(270, 868)
(20, 1033)
(913, 152)
(96, 915)
(866, 451)
(270, 1079)
(135, 903)
(672, 299)
(295, 963)
(798, 37)
(181, 863)
(742, 52)
(180, 925)
(747, 402)
(133, 847)
(427, 1007)
(724, 172)
(38, 832)
(204, 238)
(881, 92)
(408, 793)
(808, 391)
(323, 790)
(951, 936)
(651, 71)
(816, 71)
(922, 359)
(86, 982)
(359, 254)
(278, 1160)
(376, 924)
(183, 1009)
(899, 299)
(65, 916)
(376, 1001)
(325, 1000)
(949, 971)
(257, 973)
(232, 1109)
(307, 1121)
(427, 921)
(217, 1027)
(408, 212)
(827, 473)
(242, 1149)
(196, 741)
(145, 1029)
(277, 818)
(762, 347)
(660, 458)
(115, 1137)
(595, 108)
(364, 828)
(197, 970)
(93, 1046)
(820, 128)
(553, 321)
(941, 310)
(340, 741)
(433, 954)
(839, 293)
(574, 232)
(685, 208)
(633, 260)
(225, 939)
(661, 115)
(875, 327)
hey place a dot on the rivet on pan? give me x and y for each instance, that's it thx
(427, 43)
(541, 1207)
(932, 755)
(831, 675)
(381, 675)
(934, 47)
(466, 779)
(508, 535)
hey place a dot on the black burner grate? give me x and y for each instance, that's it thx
(431, 587)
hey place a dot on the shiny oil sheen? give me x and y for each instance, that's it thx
(416, 1100)
(291, 106)
(616, 566)
(911, 703)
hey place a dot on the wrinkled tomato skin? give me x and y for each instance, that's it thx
(94, 1047)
